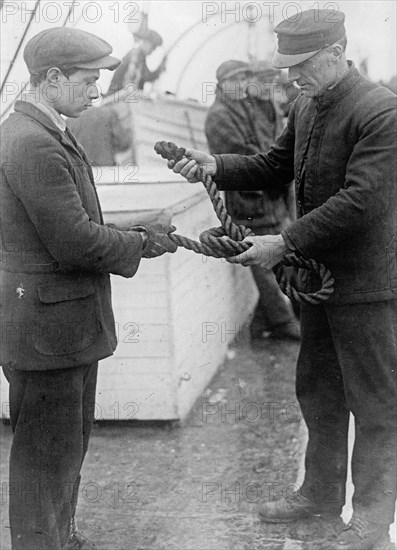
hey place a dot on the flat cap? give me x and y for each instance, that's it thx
(152, 36)
(305, 34)
(68, 48)
(230, 68)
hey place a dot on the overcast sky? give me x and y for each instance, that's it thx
(221, 33)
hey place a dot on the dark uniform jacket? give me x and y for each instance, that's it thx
(246, 127)
(341, 149)
(56, 253)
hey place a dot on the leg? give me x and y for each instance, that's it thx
(47, 451)
(319, 389)
(259, 322)
(320, 392)
(272, 309)
(89, 389)
(365, 337)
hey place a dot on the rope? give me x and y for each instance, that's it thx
(226, 241)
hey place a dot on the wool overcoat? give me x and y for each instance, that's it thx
(56, 252)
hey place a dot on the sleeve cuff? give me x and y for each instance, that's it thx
(292, 247)
(143, 233)
(219, 167)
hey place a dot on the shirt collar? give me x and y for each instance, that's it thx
(50, 112)
(348, 81)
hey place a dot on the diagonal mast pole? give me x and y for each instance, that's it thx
(19, 46)
(26, 83)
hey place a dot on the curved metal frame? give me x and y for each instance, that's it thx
(185, 33)
(196, 51)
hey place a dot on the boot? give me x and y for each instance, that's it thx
(293, 507)
(77, 541)
(361, 534)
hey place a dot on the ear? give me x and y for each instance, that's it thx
(53, 75)
(336, 51)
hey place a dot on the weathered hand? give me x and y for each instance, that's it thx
(194, 166)
(158, 241)
(266, 250)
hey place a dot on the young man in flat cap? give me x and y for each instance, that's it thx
(339, 145)
(238, 122)
(57, 254)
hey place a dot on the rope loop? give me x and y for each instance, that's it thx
(312, 298)
(227, 240)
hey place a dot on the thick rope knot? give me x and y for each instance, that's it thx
(227, 240)
(213, 242)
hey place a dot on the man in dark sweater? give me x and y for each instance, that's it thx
(244, 119)
(340, 146)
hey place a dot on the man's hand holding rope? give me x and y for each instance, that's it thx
(234, 242)
(266, 250)
(194, 166)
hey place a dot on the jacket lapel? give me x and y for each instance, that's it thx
(66, 138)
(37, 115)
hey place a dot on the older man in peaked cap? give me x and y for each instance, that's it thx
(340, 146)
(56, 315)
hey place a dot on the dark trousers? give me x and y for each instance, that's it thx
(51, 417)
(348, 362)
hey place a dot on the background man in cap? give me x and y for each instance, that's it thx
(57, 319)
(339, 144)
(103, 132)
(133, 67)
(247, 124)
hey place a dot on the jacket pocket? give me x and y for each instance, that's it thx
(68, 320)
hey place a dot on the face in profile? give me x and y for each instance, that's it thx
(71, 96)
(315, 75)
(234, 87)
